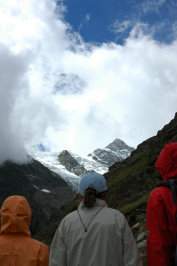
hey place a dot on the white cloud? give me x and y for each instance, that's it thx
(87, 17)
(122, 26)
(84, 21)
(76, 96)
(174, 29)
(152, 5)
(134, 28)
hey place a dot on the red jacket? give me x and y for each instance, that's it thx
(161, 221)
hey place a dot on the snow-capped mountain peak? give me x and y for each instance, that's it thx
(114, 152)
(71, 166)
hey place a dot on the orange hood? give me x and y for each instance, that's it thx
(15, 215)
(167, 161)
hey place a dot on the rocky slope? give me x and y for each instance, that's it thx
(100, 158)
(131, 180)
(116, 151)
(130, 183)
(71, 164)
(45, 190)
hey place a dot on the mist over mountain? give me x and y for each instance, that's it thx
(54, 87)
(12, 68)
(61, 88)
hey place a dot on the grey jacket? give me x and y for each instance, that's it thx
(107, 242)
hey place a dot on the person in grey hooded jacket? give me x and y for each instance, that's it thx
(94, 235)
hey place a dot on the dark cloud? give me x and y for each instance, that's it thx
(12, 70)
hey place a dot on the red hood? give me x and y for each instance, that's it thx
(167, 161)
(15, 215)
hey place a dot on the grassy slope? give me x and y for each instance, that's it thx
(131, 181)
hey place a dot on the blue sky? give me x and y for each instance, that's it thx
(112, 20)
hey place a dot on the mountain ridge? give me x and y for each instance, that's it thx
(46, 191)
(71, 166)
(116, 151)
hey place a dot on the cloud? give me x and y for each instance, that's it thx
(67, 94)
(12, 68)
(133, 28)
(84, 21)
(152, 6)
(28, 107)
(69, 84)
(150, 17)
(130, 84)
(136, 28)
(121, 26)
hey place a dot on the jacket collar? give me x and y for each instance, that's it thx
(99, 203)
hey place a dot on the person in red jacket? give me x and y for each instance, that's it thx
(162, 210)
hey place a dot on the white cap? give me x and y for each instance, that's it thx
(92, 180)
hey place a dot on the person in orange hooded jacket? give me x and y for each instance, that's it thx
(17, 248)
(161, 212)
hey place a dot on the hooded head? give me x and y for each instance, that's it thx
(167, 161)
(15, 215)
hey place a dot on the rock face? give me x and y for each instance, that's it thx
(71, 164)
(115, 152)
(45, 190)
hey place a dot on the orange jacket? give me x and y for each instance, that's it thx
(17, 248)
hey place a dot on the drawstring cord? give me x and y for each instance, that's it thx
(86, 227)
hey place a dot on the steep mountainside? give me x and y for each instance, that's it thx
(130, 183)
(71, 164)
(45, 190)
(114, 152)
(131, 180)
